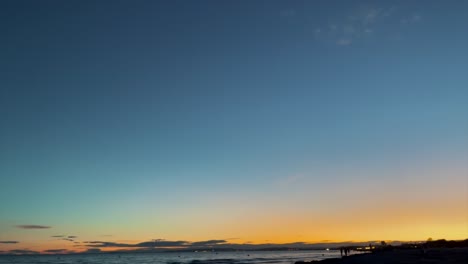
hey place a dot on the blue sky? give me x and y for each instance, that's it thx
(115, 108)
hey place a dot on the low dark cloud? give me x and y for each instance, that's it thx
(93, 250)
(56, 251)
(208, 243)
(33, 227)
(99, 244)
(21, 252)
(146, 244)
(9, 242)
(65, 238)
(163, 243)
(215, 244)
(157, 243)
(160, 245)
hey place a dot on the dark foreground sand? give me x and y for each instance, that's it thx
(433, 256)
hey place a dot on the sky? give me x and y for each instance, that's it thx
(231, 122)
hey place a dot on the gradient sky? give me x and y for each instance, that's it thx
(246, 121)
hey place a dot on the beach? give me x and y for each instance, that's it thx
(433, 256)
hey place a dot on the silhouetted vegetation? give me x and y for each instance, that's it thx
(442, 243)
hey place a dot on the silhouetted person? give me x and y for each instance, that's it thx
(341, 251)
(424, 250)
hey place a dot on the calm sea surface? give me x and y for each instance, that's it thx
(176, 258)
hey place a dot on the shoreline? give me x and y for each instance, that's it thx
(406, 256)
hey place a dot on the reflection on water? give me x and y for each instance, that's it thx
(175, 258)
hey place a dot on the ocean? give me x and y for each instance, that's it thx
(244, 257)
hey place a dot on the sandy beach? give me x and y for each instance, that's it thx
(433, 256)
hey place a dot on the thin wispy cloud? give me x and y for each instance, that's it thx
(33, 227)
(9, 242)
(412, 19)
(361, 23)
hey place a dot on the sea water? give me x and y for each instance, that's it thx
(244, 257)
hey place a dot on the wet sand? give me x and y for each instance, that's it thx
(432, 256)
